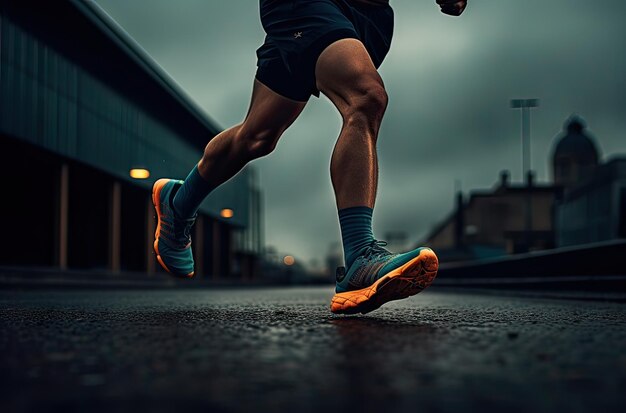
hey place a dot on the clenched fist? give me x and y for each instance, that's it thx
(452, 7)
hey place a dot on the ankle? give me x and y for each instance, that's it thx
(356, 231)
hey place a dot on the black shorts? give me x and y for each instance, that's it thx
(299, 30)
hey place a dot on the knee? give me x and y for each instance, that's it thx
(368, 106)
(257, 143)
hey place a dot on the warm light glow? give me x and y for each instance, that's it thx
(227, 213)
(289, 260)
(139, 173)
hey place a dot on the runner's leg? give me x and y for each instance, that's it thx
(269, 115)
(345, 73)
(176, 202)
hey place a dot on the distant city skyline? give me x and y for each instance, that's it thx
(449, 80)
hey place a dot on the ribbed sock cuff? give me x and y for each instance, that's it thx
(356, 231)
(191, 194)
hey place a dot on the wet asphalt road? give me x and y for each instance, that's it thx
(281, 350)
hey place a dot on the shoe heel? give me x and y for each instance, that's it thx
(156, 190)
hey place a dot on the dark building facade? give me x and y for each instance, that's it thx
(593, 205)
(80, 106)
(575, 155)
(510, 218)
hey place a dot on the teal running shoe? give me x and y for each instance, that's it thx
(172, 242)
(378, 276)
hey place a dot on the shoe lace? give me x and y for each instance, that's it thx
(375, 250)
(373, 253)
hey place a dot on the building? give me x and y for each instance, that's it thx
(575, 155)
(593, 205)
(585, 204)
(496, 222)
(80, 106)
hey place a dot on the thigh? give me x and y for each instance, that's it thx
(374, 24)
(270, 112)
(345, 73)
(297, 32)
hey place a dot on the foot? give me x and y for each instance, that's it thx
(378, 276)
(172, 242)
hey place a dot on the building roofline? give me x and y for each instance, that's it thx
(109, 27)
(440, 226)
(616, 158)
(512, 190)
(488, 193)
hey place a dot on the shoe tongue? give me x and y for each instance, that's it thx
(173, 192)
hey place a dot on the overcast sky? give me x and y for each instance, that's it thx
(449, 81)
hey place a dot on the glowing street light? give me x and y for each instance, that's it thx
(289, 260)
(139, 173)
(227, 213)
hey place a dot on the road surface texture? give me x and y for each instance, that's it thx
(265, 350)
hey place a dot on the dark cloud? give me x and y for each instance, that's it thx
(449, 80)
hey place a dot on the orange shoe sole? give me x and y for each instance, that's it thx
(156, 196)
(403, 282)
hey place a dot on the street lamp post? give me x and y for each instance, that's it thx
(525, 105)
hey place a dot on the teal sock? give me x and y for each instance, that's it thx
(356, 231)
(191, 194)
